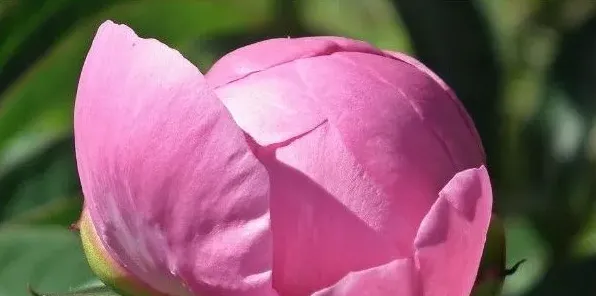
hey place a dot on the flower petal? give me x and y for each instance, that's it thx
(378, 105)
(173, 190)
(323, 105)
(267, 54)
(254, 80)
(451, 238)
(391, 114)
(402, 125)
(328, 218)
(442, 120)
(275, 107)
(398, 277)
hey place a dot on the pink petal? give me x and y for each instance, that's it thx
(402, 125)
(353, 136)
(451, 238)
(173, 190)
(449, 247)
(276, 106)
(328, 218)
(267, 54)
(397, 278)
(392, 114)
(439, 116)
(385, 111)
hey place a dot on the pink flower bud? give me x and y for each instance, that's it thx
(294, 167)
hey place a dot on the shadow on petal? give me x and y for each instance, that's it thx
(399, 277)
(317, 239)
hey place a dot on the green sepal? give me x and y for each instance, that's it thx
(491, 273)
(105, 267)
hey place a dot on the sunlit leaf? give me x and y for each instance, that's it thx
(374, 21)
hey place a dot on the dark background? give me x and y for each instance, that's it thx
(525, 70)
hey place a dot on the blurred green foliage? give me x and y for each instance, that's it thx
(525, 69)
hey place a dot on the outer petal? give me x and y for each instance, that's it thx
(172, 188)
(398, 277)
(451, 238)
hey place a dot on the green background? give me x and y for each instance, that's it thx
(525, 70)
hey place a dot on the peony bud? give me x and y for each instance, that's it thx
(294, 167)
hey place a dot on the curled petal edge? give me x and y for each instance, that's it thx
(465, 205)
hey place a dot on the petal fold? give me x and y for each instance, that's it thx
(266, 54)
(259, 81)
(451, 237)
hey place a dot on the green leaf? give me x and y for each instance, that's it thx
(57, 211)
(45, 258)
(34, 187)
(373, 21)
(93, 291)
